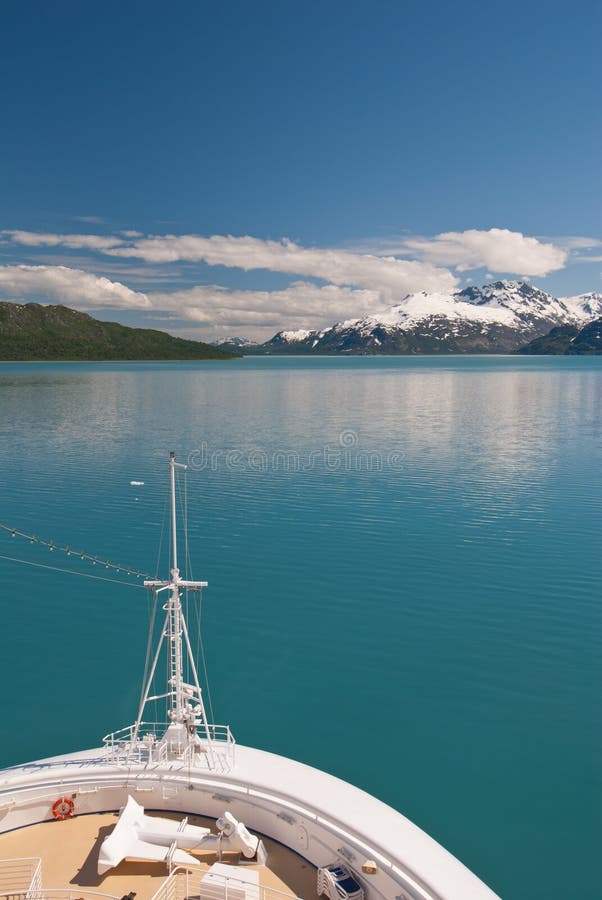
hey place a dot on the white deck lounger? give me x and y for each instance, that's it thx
(137, 836)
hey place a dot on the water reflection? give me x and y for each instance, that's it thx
(453, 594)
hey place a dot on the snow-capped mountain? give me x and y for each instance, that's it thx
(585, 306)
(235, 342)
(495, 318)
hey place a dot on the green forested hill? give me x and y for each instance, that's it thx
(35, 332)
(569, 340)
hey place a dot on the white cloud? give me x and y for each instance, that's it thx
(575, 242)
(498, 249)
(300, 304)
(71, 286)
(357, 283)
(265, 312)
(122, 269)
(71, 241)
(394, 277)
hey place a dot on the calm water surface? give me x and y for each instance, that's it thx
(404, 568)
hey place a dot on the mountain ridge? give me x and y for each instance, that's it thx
(568, 340)
(36, 332)
(499, 317)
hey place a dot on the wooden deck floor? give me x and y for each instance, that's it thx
(69, 852)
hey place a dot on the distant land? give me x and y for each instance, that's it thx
(35, 332)
(569, 340)
(237, 342)
(501, 317)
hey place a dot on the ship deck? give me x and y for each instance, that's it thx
(69, 852)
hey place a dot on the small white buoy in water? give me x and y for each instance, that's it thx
(136, 483)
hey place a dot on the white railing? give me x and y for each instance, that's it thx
(175, 886)
(57, 894)
(182, 884)
(20, 876)
(144, 744)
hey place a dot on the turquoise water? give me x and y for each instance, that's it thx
(404, 568)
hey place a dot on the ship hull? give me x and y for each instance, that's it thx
(311, 812)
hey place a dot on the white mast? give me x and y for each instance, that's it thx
(174, 634)
(186, 710)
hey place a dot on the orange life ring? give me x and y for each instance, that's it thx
(63, 808)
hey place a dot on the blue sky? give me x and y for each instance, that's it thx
(354, 130)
